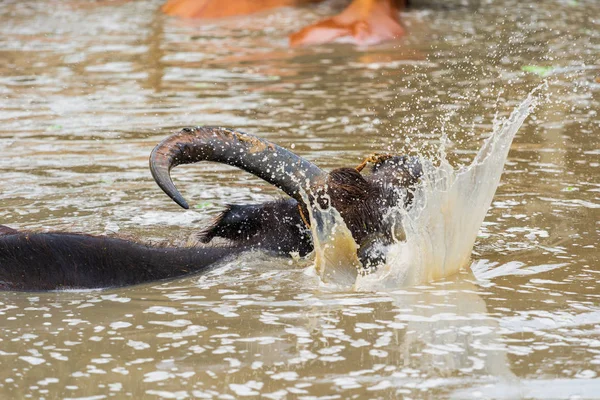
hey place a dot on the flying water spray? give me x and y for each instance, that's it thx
(439, 229)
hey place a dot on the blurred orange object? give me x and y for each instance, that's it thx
(223, 8)
(362, 22)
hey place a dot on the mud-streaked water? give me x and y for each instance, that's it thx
(87, 89)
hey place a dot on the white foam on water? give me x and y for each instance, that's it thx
(441, 227)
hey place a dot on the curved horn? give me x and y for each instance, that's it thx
(274, 164)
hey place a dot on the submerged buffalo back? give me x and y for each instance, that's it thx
(49, 261)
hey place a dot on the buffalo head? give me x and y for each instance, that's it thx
(363, 195)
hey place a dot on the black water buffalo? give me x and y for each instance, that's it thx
(47, 261)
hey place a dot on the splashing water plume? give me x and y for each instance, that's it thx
(336, 259)
(449, 208)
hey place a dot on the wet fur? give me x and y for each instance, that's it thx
(51, 261)
(275, 225)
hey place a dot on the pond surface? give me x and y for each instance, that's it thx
(88, 88)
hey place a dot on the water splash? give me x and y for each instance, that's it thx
(440, 229)
(336, 259)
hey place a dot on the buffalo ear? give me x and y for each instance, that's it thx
(5, 230)
(236, 222)
(274, 226)
(347, 185)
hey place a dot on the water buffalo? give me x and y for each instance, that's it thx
(46, 261)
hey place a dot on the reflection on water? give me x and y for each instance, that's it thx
(86, 92)
(205, 332)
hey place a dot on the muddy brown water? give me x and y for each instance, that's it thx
(88, 88)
